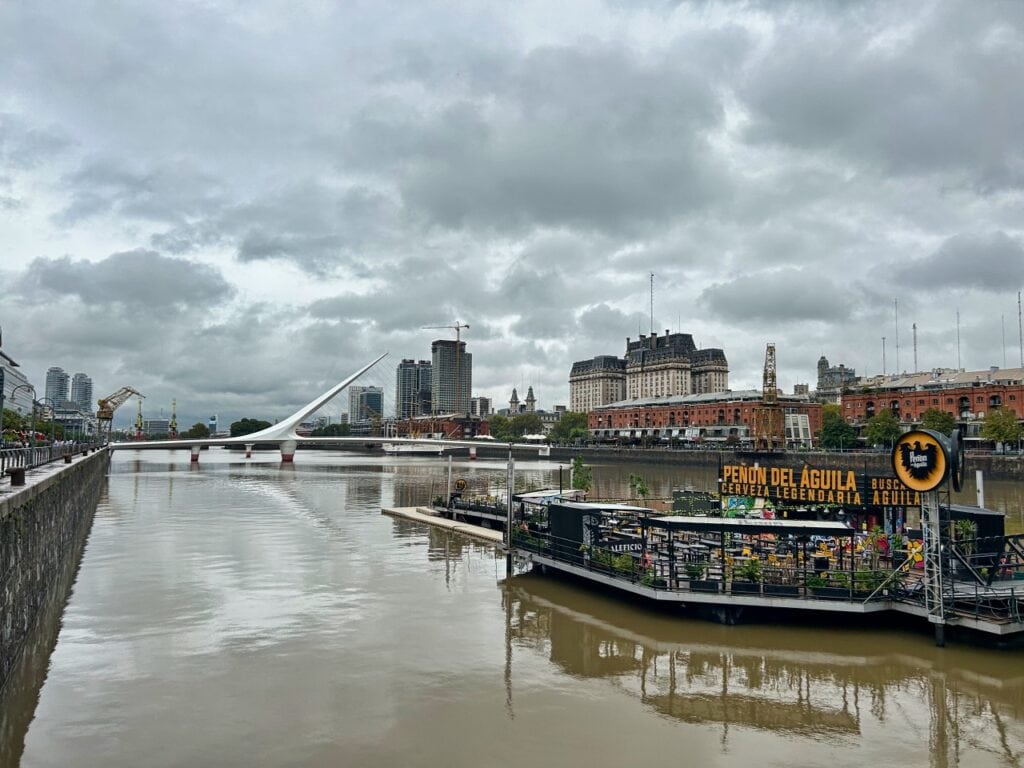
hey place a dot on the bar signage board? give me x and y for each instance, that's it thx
(813, 485)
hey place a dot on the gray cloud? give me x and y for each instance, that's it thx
(142, 279)
(990, 262)
(337, 182)
(783, 296)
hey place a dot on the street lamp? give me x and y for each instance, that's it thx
(33, 390)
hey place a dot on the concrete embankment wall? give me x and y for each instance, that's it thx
(43, 529)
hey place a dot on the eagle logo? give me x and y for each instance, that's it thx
(918, 461)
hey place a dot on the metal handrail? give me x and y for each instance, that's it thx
(40, 455)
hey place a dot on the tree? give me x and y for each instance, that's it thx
(247, 426)
(526, 424)
(938, 421)
(835, 432)
(333, 430)
(197, 430)
(1001, 426)
(12, 419)
(882, 428)
(582, 477)
(638, 487)
(570, 428)
(500, 427)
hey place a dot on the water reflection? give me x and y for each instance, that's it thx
(794, 682)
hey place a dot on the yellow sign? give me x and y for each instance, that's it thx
(920, 461)
(800, 485)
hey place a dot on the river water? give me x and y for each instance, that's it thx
(247, 613)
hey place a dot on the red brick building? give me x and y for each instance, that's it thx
(710, 417)
(966, 404)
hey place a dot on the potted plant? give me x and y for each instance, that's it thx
(696, 572)
(836, 585)
(747, 578)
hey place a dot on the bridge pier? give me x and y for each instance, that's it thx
(472, 453)
(194, 458)
(248, 450)
(288, 451)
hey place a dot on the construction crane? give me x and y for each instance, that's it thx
(768, 417)
(139, 433)
(107, 406)
(457, 327)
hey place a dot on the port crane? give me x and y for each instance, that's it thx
(107, 406)
(457, 327)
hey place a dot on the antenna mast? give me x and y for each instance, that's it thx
(958, 339)
(896, 308)
(883, 355)
(916, 369)
(1002, 321)
(652, 303)
(1020, 335)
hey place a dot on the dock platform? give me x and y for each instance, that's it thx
(427, 516)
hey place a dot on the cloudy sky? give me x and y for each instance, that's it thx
(235, 204)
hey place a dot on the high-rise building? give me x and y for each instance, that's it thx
(16, 388)
(57, 386)
(656, 366)
(412, 389)
(451, 377)
(597, 382)
(81, 392)
(480, 407)
(365, 403)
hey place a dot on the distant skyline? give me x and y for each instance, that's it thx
(237, 204)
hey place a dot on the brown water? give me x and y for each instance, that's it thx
(246, 613)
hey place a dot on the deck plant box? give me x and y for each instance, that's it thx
(782, 590)
(704, 585)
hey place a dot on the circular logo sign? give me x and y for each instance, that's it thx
(919, 460)
(460, 485)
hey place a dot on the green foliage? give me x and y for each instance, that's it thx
(570, 428)
(938, 421)
(525, 424)
(816, 581)
(247, 426)
(695, 571)
(882, 428)
(582, 477)
(638, 487)
(966, 533)
(12, 420)
(1001, 426)
(500, 427)
(835, 432)
(197, 430)
(623, 563)
(750, 570)
(332, 430)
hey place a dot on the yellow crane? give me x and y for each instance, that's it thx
(457, 327)
(107, 406)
